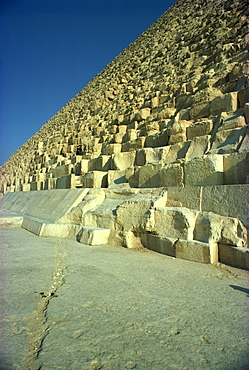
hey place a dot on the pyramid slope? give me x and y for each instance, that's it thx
(169, 112)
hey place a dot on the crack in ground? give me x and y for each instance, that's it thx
(38, 326)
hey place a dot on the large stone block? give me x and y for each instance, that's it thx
(95, 179)
(123, 160)
(227, 200)
(175, 222)
(225, 103)
(207, 170)
(93, 236)
(171, 175)
(159, 244)
(228, 141)
(198, 147)
(193, 250)
(236, 168)
(189, 197)
(238, 257)
(101, 163)
(199, 128)
(213, 228)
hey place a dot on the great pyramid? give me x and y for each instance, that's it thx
(153, 152)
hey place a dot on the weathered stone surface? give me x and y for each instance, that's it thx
(159, 244)
(93, 236)
(174, 222)
(212, 228)
(206, 170)
(193, 250)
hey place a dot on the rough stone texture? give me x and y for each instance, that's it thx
(169, 112)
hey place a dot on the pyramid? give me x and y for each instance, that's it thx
(153, 152)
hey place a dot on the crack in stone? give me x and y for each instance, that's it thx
(38, 320)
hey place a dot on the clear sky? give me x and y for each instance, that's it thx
(50, 49)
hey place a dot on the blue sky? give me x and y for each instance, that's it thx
(50, 49)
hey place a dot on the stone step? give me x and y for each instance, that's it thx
(93, 236)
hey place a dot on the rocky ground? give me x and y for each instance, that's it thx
(70, 306)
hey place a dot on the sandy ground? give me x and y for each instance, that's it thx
(65, 305)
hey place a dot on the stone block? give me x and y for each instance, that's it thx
(172, 153)
(233, 256)
(110, 149)
(230, 122)
(132, 241)
(207, 170)
(227, 200)
(225, 103)
(65, 182)
(26, 187)
(200, 110)
(236, 168)
(101, 163)
(63, 231)
(93, 236)
(228, 141)
(159, 244)
(143, 114)
(170, 175)
(189, 197)
(149, 155)
(213, 228)
(193, 250)
(199, 128)
(95, 179)
(175, 222)
(62, 170)
(198, 147)
(123, 160)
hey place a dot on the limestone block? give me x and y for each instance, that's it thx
(227, 200)
(64, 231)
(149, 155)
(133, 145)
(32, 224)
(244, 147)
(207, 170)
(146, 176)
(233, 256)
(65, 182)
(172, 153)
(199, 128)
(84, 166)
(177, 132)
(101, 163)
(159, 244)
(228, 141)
(236, 168)
(118, 138)
(62, 170)
(198, 147)
(200, 111)
(170, 175)
(110, 149)
(189, 197)
(175, 222)
(213, 228)
(193, 250)
(143, 114)
(226, 103)
(93, 236)
(117, 178)
(95, 179)
(123, 160)
(135, 215)
(26, 187)
(230, 122)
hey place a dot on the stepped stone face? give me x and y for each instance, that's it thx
(170, 112)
